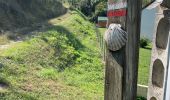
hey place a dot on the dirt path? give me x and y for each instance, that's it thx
(59, 19)
(5, 46)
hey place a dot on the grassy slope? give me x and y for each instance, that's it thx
(144, 63)
(18, 13)
(61, 63)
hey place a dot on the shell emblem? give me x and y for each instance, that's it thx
(115, 37)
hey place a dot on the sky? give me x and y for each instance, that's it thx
(147, 23)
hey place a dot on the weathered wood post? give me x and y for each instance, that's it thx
(132, 50)
(115, 59)
(121, 70)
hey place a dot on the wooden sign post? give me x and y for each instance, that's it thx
(132, 50)
(115, 59)
(122, 64)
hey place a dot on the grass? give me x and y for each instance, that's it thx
(62, 62)
(3, 39)
(144, 65)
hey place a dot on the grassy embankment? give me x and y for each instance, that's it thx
(61, 63)
(144, 63)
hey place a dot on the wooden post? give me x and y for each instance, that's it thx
(114, 62)
(121, 77)
(114, 73)
(132, 50)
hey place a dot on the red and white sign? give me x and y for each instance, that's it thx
(117, 9)
(117, 5)
(113, 13)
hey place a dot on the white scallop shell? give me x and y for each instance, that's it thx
(115, 37)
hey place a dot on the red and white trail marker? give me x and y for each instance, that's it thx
(117, 9)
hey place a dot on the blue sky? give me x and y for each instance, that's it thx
(147, 23)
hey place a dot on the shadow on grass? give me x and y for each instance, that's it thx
(72, 38)
(15, 95)
(148, 48)
(4, 84)
(20, 23)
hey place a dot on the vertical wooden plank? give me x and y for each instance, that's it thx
(132, 50)
(114, 75)
(114, 61)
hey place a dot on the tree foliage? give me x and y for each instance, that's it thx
(144, 42)
(91, 8)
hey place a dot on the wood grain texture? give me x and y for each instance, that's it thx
(114, 75)
(132, 50)
(114, 64)
(166, 3)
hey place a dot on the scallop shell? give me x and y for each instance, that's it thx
(115, 37)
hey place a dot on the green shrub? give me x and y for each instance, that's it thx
(141, 98)
(144, 42)
(100, 10)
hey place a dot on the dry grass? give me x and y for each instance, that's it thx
(3, 39)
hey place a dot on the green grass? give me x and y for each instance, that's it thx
(144, 65)
(102, 30)
(60, 63)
